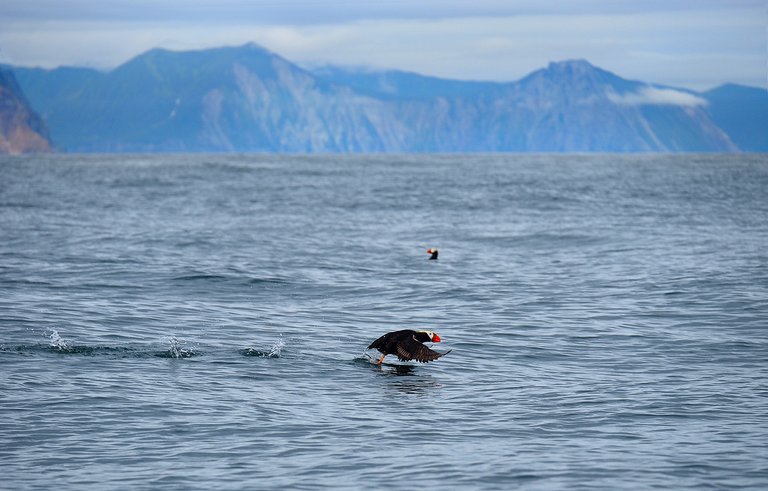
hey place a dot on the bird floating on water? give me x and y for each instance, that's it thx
(407, 345)
(432, 251)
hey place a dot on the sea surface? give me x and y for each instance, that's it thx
(200, 322)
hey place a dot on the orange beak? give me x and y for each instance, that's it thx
(436, 338)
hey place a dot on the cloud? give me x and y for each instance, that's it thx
(322, 12)
(653, 96)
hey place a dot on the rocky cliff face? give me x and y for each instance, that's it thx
(248, 99)
(570, 106)
(21, 130)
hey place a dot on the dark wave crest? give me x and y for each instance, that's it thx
(176, 348)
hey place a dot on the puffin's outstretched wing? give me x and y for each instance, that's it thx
(410, 349)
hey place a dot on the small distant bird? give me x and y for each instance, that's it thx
(432, 251)
(407, 345)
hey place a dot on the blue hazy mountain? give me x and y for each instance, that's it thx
(249, 99)
(400, 85)
(742, 112)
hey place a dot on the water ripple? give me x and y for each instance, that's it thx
(189, 321)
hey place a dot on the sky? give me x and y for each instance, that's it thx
(693, 44)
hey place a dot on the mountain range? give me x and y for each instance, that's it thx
(248, 99)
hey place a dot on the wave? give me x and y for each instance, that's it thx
(178, 349)
(274, 352)
(174, 348)
(224, 278)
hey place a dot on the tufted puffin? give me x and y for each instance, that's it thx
(432, 251)
(406, 344)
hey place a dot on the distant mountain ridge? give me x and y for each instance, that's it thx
(248, 99)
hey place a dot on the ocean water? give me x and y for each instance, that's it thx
(200, 322)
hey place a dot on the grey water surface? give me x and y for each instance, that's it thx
(200, 322)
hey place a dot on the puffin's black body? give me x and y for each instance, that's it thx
(407, 345)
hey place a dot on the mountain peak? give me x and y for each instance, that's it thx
(579, 75)
(254, 47)
(165, 54)
(571, 68)
(576, 64)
